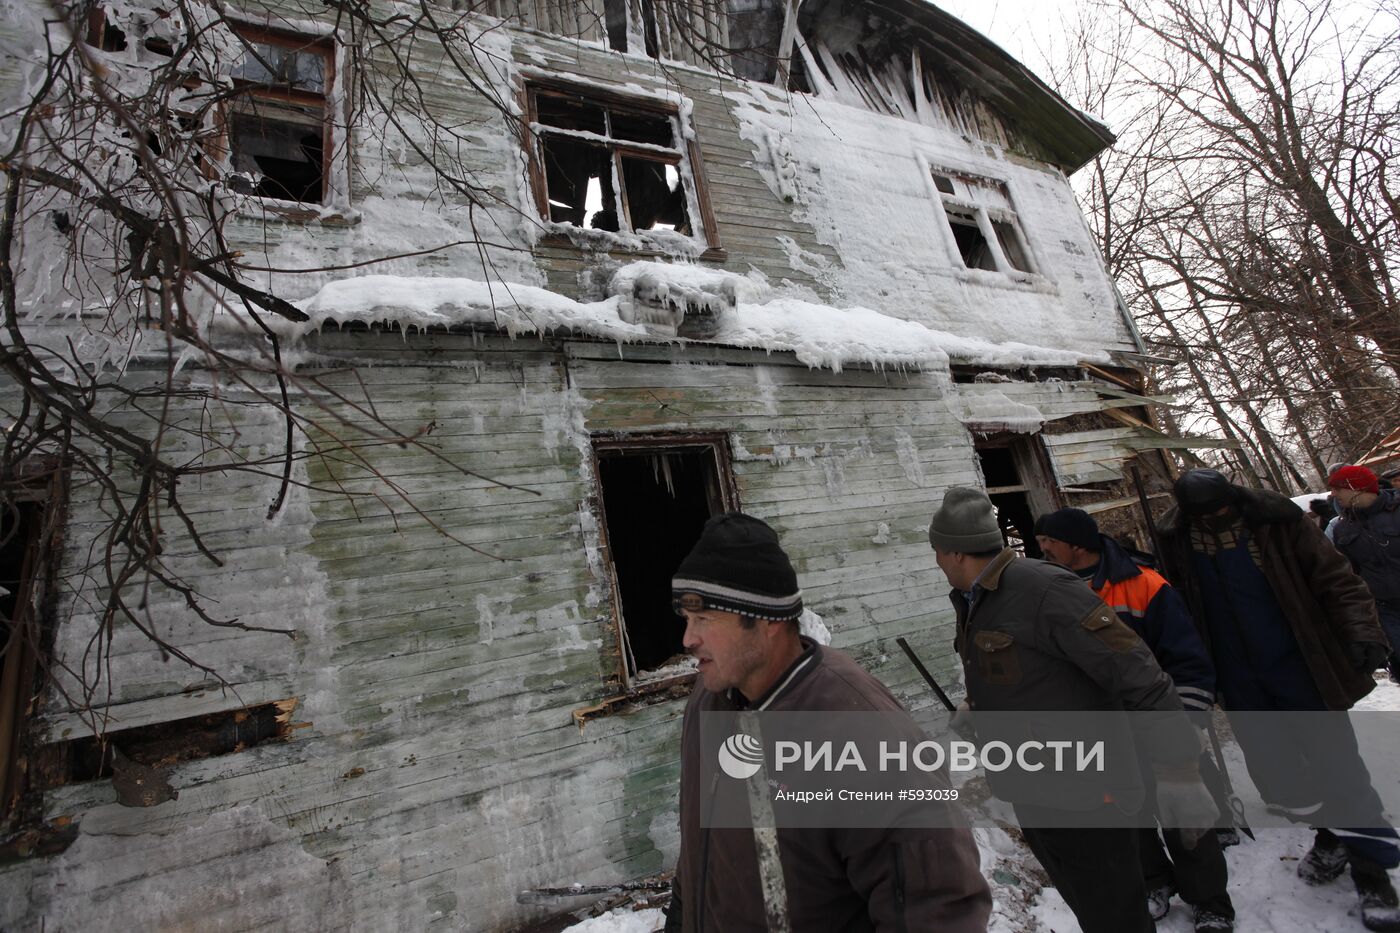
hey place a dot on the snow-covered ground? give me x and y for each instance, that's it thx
(1264, 885)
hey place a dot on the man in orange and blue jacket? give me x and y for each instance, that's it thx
(1144, 600)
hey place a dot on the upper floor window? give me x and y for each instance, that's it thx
(279, 134)
(276, 124)
(983, 223)
(615, 164)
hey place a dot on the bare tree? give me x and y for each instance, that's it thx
(1249, 211)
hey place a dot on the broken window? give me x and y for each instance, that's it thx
(1018, 481)
(657, 493)
(984, 226)
(278, 133)
(605, 164)
(28, 523)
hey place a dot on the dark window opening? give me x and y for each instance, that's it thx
(972, 245)
(649, 34)
(755, 29)
(1011, 246)
(164, 744)
(652, 129)
(1008, 494)
(18, 530)
(276, 124)
(633, 172)
(798, 82)
(30, 516)
(943, 183)
(656, 500)
(655, 195)
(279, 154)
(106, 35)
(615, 20)
(570, 113)
(579, 183)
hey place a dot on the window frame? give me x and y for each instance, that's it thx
(687, 151)
(43, 483)
(335, 167)
(725, 498)
(986, 217)
(331, 164)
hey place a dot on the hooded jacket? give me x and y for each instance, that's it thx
(1326, 603)
(837, 880)
(1149, 606)
(1370, 538)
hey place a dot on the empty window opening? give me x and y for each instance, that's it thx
(656, 500)
(615, 20)
(164, 744)
(755, 28)
(1019, 484)
(30, 516)
(625, 19)
(972, 245)
(985, 229)
(605, 165)
(1011, 246)
(277, 127)
(19, 530)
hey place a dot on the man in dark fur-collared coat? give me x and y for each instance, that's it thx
(1290, 628)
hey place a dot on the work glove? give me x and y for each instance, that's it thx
(962, 723)
(1366, 656)
(1183, 803)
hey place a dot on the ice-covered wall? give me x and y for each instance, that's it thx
(436, 769)
(863, 183)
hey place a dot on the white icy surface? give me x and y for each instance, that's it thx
(819, 335)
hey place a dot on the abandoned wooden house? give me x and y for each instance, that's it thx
(817, 261)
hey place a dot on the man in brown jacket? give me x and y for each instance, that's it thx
(1290, 628)
(740, 599)
(1036, 642)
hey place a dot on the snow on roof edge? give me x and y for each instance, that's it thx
(820, 336)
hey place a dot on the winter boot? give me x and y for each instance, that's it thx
(1229, 836)
(1380, 908)
(1159, 901)
(1325, 860)
(1208, 921)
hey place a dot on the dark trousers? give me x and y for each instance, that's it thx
(1390, 622)
(1311, 766)
(1198, 874)
(1096, 871)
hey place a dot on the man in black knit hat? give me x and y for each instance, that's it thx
(1150, 607)
(739, 596)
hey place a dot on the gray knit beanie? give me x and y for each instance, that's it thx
(966, 522)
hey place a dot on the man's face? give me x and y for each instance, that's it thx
(954, 568)
(1346, 498)
(729, 654)
(1055, 550)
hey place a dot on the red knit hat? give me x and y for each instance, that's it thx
(1354, 477)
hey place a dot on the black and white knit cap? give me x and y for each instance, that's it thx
(738, 566)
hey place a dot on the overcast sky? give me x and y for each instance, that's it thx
(1025, 28)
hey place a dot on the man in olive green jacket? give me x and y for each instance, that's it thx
(1033, 637)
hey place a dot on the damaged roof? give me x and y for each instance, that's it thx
(1070, 137)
